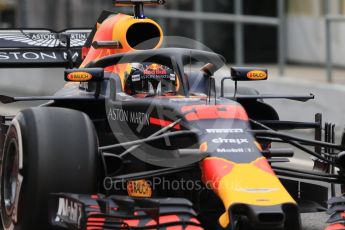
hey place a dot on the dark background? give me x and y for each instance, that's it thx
(260, 42)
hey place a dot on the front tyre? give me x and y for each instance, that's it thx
(47, 150)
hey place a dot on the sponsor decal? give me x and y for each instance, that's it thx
(139, 188)
(230, 141)
(28, 55)
(235, 150)
(128, 116)
(136, 77)
(173, 77)
(155, 69)
(118, 115)
(46, 36)
(232, 150)
(25, 38)
(36, 56)
(139, 118)
(42, 36)
(155, 76)
(79, 76)
(81, 36)
(155, 72)
(213, 131)
(257, 75)
(70, 211)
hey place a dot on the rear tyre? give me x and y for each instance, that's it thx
(47, 150)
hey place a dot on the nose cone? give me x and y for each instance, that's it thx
(252, 184)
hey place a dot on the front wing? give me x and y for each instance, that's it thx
(70, 211)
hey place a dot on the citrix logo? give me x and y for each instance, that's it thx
(230, 141)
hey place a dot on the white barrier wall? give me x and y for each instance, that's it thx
(306, 32)
(56, 13)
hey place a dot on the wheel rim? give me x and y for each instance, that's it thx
(11, 174)
(11, 183)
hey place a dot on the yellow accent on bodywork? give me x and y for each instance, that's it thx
(250, 185)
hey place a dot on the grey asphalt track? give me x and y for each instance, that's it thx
(329, 101)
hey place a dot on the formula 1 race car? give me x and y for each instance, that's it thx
(136, 141)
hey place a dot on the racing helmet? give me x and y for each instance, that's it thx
(150, 79)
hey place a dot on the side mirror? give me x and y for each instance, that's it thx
(84, 75)
(248, 74)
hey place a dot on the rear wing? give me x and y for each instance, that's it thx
(40, 48)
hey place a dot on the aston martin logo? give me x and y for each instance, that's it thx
(40, 38)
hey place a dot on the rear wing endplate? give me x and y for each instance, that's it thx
(39, 48)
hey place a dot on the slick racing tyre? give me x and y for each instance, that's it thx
(47, 150)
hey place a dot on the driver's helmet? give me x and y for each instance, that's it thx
(150, 79)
